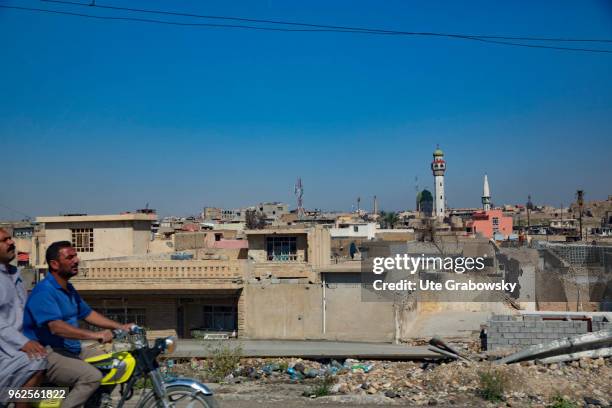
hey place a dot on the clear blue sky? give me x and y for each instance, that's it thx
(103, 116)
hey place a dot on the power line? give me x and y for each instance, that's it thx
(16, 211)
(337, 30)
(334, 27)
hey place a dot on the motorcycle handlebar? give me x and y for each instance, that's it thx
(121, 334)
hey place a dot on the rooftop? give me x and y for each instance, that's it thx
(97, 218)
(272, 231)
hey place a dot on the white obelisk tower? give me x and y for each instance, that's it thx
(486, 195)
(438, 167)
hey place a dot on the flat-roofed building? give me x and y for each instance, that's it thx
(98, 236)
(490, 224)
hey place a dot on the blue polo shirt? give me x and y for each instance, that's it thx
(47, 302)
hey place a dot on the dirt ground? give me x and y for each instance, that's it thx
(277, 383)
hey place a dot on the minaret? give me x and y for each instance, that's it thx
(438, 167)
(486, 195)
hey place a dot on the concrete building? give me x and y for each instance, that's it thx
(185, 295)
(206, 290)
(491, 224)
(364, 230)
(97, 236)
(211, 214)
(236, 215)
(438, 167)
(273, 211)
(564, 225)
(289, 253)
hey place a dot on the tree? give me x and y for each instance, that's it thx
(391, 218)
(388, 219)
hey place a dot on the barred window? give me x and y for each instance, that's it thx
(83, 239)
(495, 224)
(281, 248)
(221, 318)
(128, 315)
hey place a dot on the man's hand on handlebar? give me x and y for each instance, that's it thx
(104, 336)
(128, 327)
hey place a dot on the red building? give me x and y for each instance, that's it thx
(491, 224)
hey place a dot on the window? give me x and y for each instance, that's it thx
(126, 315)
(495, 224)
(22, 233)
(218, 237)
(355, 228)
(221, 318)
(83, 239)
(281, 249)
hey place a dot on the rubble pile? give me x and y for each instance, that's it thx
(586, 382)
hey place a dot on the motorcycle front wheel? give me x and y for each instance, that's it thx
(181, 397)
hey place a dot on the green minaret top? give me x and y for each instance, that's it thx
(438, 152)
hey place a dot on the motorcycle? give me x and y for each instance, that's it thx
(126, 368)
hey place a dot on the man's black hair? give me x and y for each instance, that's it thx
(54, 249)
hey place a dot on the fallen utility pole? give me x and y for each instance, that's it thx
(602, 352)
(439, 343)
(447, 353)
(560, 345)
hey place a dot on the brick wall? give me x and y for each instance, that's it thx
(521, 331)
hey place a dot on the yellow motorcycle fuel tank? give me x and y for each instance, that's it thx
(116, 367)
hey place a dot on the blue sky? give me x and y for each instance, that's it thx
(106, 116)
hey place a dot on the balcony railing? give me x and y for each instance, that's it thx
(161, 270)
(283, 258)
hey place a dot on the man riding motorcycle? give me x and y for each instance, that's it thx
(51, 317)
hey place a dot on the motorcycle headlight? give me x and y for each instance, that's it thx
(170, 344)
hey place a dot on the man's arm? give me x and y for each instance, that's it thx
(99, 320)
(11, 338)
(62, 329)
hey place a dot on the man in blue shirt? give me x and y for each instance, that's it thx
(51, 317)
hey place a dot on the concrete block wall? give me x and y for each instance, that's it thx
(522, 331)
(601, 323)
